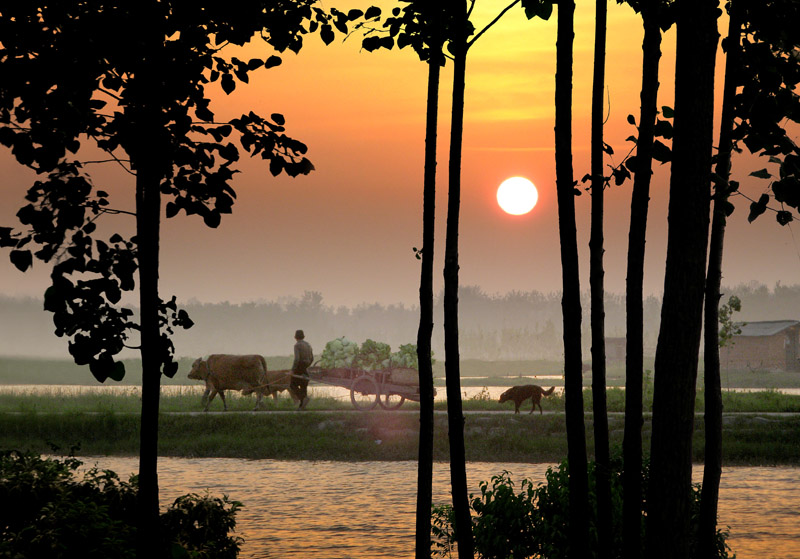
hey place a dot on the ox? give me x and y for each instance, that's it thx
(247, 373)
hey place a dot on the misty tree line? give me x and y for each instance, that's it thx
(514, 325)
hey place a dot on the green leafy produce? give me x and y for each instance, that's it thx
(340, 352)
(374, 356)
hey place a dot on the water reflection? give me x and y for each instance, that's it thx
(366, 509)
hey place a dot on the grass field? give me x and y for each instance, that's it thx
(354, 436)
(107, 422)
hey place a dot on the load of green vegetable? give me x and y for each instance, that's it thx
(340, 352)
(371, 356)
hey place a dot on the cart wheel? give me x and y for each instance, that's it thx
(364, 393)
(391, 401)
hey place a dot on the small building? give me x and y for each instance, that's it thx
(768, 345)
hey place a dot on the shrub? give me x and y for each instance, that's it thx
(533, 521)
(59, 514)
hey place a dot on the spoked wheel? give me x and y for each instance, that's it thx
(364, 393)
(391, 401)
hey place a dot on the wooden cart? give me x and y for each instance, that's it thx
(389, 388)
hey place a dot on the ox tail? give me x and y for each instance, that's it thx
(548, 391)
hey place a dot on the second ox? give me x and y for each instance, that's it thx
(247, 373)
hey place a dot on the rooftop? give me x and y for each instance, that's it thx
(766, 327)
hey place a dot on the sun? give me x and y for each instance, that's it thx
(517, 195)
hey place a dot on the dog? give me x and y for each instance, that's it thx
(521, 393)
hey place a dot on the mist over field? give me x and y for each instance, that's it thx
(516, 325)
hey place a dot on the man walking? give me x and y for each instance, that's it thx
(303, 358)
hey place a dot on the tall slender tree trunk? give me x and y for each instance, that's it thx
(570, 302)
(634, 304)
(668, 528)
(148, 211)
(712, 471)
(425, 465)
(455, 415)
(146, 162)
(596, 275)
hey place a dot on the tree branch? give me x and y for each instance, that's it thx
(495, 20)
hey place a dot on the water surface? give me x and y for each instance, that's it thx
(338, 510)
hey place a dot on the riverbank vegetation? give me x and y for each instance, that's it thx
(750, 439)
(58, 511)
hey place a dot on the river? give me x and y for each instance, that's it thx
(355, 510)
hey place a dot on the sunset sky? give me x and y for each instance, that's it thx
(347, 230)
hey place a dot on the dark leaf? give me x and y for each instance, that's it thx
(372, 12)
(728, 207)
(277, 118)
(758, 208)
(326, 34)
(275, 166)
(783, 217)
(667, 112)
(272, 61)
(631, 120)
(228, 84)
(204, 114)
(117, 371)
(663, 129)
(212, 219)
(371, 43)
(661, 152)
(171, 209)
(608, 149)
(761, 174)
(22, 259)
(170, 369)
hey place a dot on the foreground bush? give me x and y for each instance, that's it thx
(50, 511)
(532, 523)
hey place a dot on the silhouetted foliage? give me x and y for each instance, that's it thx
(60, 511)
(70, 79)
(529, 520)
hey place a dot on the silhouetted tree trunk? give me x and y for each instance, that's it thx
(712, 471)
(571, 301)
(148, 213)
(147, 136)
(634, 305)
(455, 415)
(425, 465)
(596, 274)
(668, 528)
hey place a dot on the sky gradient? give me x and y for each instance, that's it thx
(347, 230)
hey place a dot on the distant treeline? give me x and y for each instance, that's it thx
(517, 325)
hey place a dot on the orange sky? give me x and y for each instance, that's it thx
(347, 230)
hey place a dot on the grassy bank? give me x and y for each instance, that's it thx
(354, 436)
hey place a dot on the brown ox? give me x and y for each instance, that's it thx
(221, 372)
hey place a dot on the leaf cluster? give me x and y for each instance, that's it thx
(59, 512)
(532, 521)
(768, 75)
(424, 26)
(133, 80)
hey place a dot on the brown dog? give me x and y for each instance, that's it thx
(521, 393)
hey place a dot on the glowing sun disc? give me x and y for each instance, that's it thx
(517, 195)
